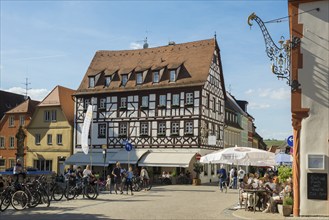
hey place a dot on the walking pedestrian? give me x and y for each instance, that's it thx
(231, 177)
(222, 177)
(129, 177)
(116, 172)
(241, 174)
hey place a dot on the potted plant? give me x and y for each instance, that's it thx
(287, 205)
(284, 172)
(197, 169)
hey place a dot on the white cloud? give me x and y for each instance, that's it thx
(253, 105)
(35, 94)
(135, 46)
(249, 91)
(276, 94)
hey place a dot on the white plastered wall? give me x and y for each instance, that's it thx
(314, 80)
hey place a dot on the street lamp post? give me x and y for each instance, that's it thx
(104, 157)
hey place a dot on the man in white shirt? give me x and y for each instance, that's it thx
(241, 174)
(231, 177)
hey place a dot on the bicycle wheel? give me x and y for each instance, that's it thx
(70, 192)
(149, 185)
(57, 193)
(45, 199)
(5, 202)
(91, 192)
(19, 200)
(34, 199)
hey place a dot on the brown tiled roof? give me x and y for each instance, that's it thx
(28, 106)
(61, 96)
(194, 58)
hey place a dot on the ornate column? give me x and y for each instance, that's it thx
(20, 136)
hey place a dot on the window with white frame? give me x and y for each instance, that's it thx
(53, 115)
(102, 103)
(2, 142)
(145, 101)
(91, 82)
(219, 106)
(123, 129)
(144, 128)
(43, 165)
(156, 77)
(162, 100)
(139, 78)
(49, 139)
(162, 128)
(175, 100)
(108, 80)
(37, 138)
(214, 104)
(102, 130)
(172, 76)
(11, 121)
(11, 142)
(59, 139)
(124, 79)
(208, 100)
(21, 120)
(123, 102)
(12, 162)
(174, 127)
(87, 103)
(189, 98)
(189, 127)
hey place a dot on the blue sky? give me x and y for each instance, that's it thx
(53, 42)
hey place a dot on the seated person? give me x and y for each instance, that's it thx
(274, 189)
(243, 185)
(254, 185)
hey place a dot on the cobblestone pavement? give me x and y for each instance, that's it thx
(161, 202)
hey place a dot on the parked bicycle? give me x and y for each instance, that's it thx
(83, 187)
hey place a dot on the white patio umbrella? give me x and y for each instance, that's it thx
(245, 156)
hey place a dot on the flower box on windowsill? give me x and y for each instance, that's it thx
(101, 136)
(144, 135)
(188, 104)
(161, 134)
(174, 135)
(123, 108)
(144, 107)
(188, 134)
(161, 106)
(174, 106)
(102, 109)
(122, 135)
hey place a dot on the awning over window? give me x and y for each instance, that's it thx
(166, 159)
(122, 156)
(94, 158)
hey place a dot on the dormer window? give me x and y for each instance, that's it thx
(172, 76)
(139, 78)
(108, 81)
(124, 79)
(91, 82)
(156, 76)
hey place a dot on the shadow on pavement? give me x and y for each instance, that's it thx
(48, 216)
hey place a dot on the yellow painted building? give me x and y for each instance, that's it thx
(49, 134)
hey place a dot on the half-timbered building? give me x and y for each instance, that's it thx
(168, 102)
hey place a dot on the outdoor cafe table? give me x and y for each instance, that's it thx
(254, 192)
